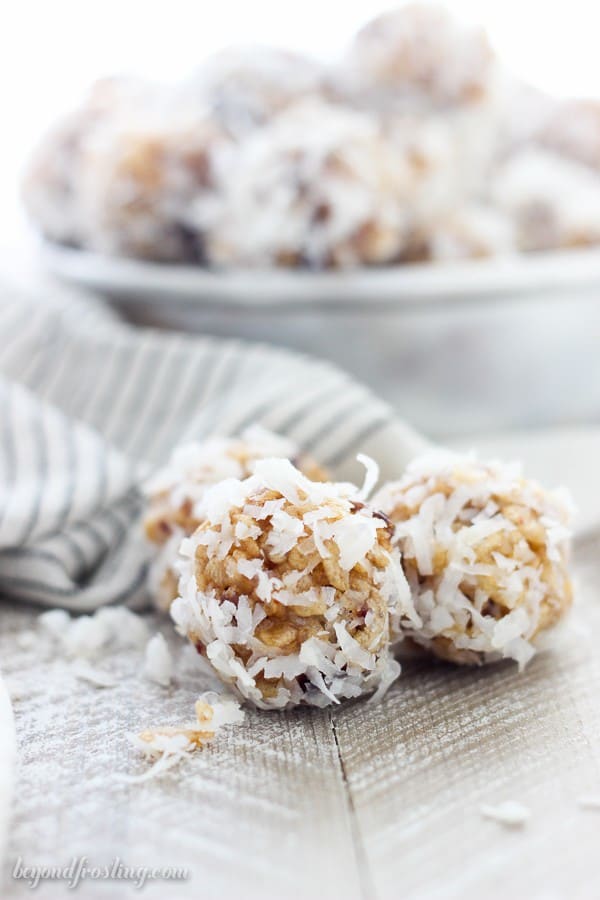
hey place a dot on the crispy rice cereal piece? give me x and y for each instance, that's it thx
(195, 734)
(485, 554)
(286, 588)
(174, 493)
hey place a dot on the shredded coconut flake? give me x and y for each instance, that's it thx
(371, 475)
(158, 664)
(510, 813)
(87, 637)
(92, 675)
(169, 745)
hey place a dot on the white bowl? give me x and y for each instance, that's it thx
(457, 347)
(406, 285)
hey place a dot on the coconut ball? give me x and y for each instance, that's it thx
(419, 61)
(286, 588)
(50, 187)
(323, 186)
(175, 493)
(525, 112)
(573, 130)
(142, 179)
(553, 202)
(485, 554)
(48, 190)
(472, 231)
(247, 86)
(419, 57)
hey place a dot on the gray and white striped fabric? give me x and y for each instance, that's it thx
(89, 405)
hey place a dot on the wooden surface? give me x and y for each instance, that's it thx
(7, 762)
(369, 802)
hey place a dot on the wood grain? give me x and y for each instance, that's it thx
(363, 803)
(263, 812)
(447, 740)
(7, 761)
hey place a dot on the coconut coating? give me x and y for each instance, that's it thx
(175, 493)
(485, 554)
(286, 588)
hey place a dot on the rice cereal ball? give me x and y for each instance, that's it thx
(524, 114)
(247, 86)
(48, 190)
(553, 202)
(485, 554)
(141, 178)
(175, 493)
(286, 588)
(419, 61)
(323, 187)
(50, 187)
(573, 130)
(472, 231)
(419, 57)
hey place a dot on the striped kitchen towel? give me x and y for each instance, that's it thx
(89, 406)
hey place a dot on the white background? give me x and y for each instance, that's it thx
(52, 49)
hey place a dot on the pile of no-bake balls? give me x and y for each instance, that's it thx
(301, 590)
(417, 145)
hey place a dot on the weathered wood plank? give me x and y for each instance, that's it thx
(370, 802)
(261, 813)
(7, 762)
(447, 740)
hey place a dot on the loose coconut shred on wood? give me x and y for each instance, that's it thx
(510, 813)
(168, 745)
